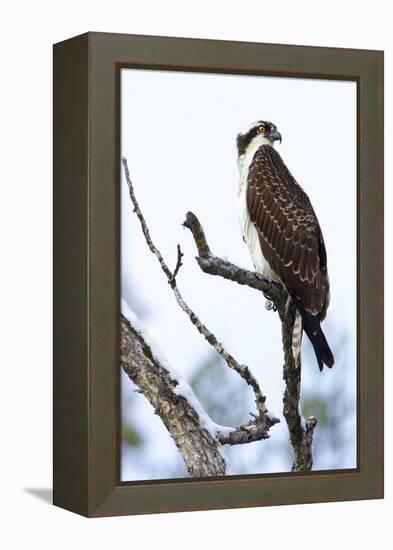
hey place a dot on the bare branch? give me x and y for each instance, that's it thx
(192, 223)
(199, 449)
(263, 418)
(247, 433)
(213, 265)
(143, 223)
(301, 433)
(179, 414)
(179, 262)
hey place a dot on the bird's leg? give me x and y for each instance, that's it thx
(270, 304)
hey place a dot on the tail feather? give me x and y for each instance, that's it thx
(328, 357)
(312, 328)
(297, 337)
(321, 347)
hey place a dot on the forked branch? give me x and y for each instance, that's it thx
(258, 427)
(300, 431)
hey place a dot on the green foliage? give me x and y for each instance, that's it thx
(130, 436)
(225, 397)
(315, 405)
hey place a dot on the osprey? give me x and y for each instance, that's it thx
(283, 235)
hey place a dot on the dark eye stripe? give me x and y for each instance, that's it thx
(243, 140)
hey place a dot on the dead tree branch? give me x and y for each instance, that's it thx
(242, 370)
(301, 433)
(199, 449)
(213, 265)
(247, 433)
(258, 428)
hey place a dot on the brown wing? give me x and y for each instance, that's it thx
(289, 232)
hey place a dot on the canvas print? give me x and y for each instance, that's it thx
(238, 275)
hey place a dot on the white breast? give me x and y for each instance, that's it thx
(248, 229)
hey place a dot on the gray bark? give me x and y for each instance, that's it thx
(300, 432)
(263, 418)
(199, 449)
(197, 445)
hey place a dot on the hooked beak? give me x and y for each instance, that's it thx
(276, 136)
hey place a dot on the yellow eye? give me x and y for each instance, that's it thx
(261, 129)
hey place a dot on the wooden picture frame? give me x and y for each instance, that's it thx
(86, 274)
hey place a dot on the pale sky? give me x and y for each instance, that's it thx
(178, 134)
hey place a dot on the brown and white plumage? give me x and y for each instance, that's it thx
(283, 234)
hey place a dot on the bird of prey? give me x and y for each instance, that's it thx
(283, 235)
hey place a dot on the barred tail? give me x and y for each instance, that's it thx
(297, 337)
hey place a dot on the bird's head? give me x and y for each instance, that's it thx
(262, 132)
